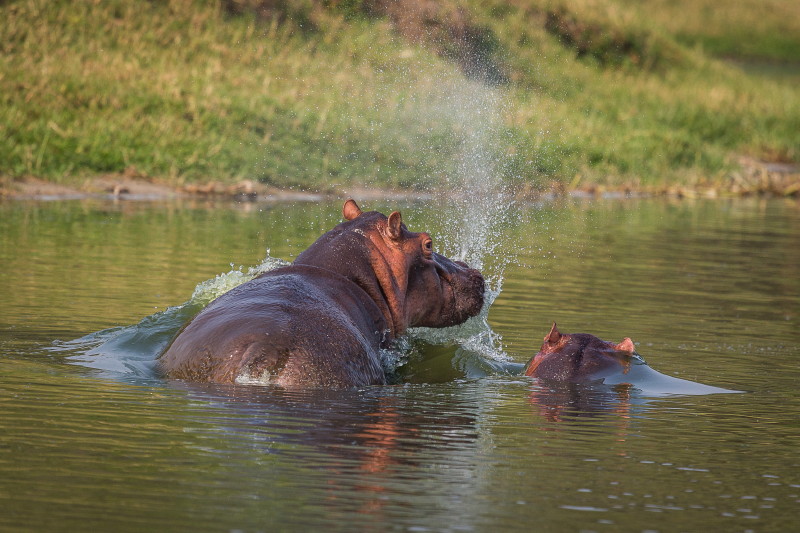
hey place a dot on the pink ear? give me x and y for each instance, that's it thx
(351, 210)
(625, 346)
(554, 336)
(393, 225)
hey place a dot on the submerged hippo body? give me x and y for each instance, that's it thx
(584, 358)
(323, 320)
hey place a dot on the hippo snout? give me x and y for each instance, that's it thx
(461, 295)
(478, 288)
(469, 288)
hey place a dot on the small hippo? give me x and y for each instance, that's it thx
(321, 321)
(583, 358)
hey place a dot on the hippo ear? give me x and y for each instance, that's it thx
(351, 209)
(625, 346)
(554, 336)
(393, 225)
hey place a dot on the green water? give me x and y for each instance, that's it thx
(92, 439)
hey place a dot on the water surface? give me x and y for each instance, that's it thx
(709, 291)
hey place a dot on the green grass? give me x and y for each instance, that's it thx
(678, 116)
(757, 30)
(183, 91)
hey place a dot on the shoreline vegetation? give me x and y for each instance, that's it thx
(307, 98)
(759, 181)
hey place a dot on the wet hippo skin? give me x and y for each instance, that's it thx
(584, 358)
(322, 320)
(579, 357)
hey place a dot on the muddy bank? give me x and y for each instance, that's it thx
(753, 177)
(127, 187)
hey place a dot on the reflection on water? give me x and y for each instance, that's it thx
(709, 291)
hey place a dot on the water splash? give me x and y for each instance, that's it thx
(475, 334)
(213, 288)
(132, 351)
(478, 200)
(477, 207)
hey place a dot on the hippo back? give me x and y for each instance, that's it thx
(287, 328)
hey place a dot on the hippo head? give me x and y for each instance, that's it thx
(579, 357)
(410, 283)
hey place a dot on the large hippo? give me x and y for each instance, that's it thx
(322, 320)
(584, 358)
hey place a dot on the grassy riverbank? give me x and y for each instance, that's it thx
(324, 95)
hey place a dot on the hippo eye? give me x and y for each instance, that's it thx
(427, 246)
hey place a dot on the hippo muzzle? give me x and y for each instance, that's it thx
(465, 288)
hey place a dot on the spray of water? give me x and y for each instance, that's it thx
(476, 193)
(131, 351)
(476, 206)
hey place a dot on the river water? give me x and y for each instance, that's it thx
(92, 439)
